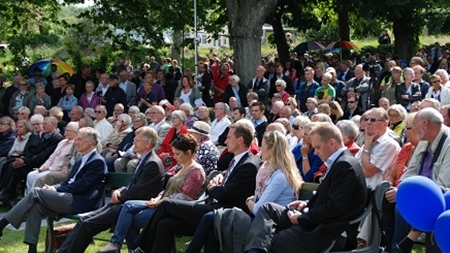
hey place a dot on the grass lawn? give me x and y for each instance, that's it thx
(12, 242)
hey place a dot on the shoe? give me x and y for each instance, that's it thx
(110, 251)
(137, 250)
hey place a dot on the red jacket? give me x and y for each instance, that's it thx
(166, 148)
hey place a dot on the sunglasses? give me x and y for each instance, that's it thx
(372, 120)
(408, 128)
(98, 111)
(351, 102)
(436, 81)
(296, 127)
(288, 104)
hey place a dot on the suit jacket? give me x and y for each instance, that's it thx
(89, 185)
(242, 94)
(147, 181)
(206, 81)
(340, 198)
(356, 112)
(262, 94)
(38, 150)
(131, 93)
(402, 90)
(239, 186)
(260, 130)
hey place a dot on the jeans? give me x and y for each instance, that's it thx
(133, 216)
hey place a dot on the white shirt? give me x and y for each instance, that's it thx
(237, 159)
(217, 128)
(383, 155)
(156, 126)
(104, 128)
(84, 160)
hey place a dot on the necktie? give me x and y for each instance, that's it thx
(230, 166)
(426, 169)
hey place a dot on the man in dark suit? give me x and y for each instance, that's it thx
(352, 108)
(81, 192)
(146, 183)
(260, 85)
(36, 152)
(204, 82)
(312, 226)
(114, 95)
(231, 190)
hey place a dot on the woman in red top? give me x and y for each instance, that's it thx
(405, 154)
(221, 82)
(178, 127)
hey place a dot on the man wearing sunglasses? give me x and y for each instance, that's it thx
(352, 108)
(376, 156)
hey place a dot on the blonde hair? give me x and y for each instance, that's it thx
(325, 108)
(282, 158)
(338, 109)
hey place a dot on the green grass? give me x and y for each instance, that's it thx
(12, 242)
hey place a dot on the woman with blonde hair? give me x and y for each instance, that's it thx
(277, 181)
(336, 111)
(324, 108)
(293, 104)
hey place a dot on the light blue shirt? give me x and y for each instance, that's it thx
(236, 95)
(277, 189)
(68, 102)
(259, 122)
(330, 161)
(123, 86)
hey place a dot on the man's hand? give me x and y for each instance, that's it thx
(48, 187)
(18, 163)
(115, 197)
(368, 140)
(405, 96)
(391, 195)
(216, 181)
(293, 215)
(298, 205)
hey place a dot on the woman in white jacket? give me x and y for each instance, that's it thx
(438, 91)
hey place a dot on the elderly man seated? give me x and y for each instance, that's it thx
(81, 192)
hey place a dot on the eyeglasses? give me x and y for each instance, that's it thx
(289, 104)
(372, 120)
(98, 111)
(408, 128)
(278, 85)
(296, 127)
(437, 81)
(393, 115)
(351, 102)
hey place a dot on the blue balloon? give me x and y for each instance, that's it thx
(420, 202)
(447, 200)
(441, 231)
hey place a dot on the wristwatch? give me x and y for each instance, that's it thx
(366, 151)
(305, 158)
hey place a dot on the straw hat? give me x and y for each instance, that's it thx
(200, 127)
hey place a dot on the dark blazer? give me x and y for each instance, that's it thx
(239, 186)
(356, 112)
(402, 90)
(38, 150)
(147, 181)
(6, 142)
(260, 130)
(340, 198)
(242, 94)
(114, 96)
(262, 94)
(206, 81)
(89, 185)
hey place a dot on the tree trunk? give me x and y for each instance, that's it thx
(245, 21)
(405, 41)
(177, 38)
(280, 38)
(343, 20)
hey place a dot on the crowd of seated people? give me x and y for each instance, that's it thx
(388, 133)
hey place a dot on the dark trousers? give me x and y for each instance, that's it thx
(91, 224)
(272, 231)
(204, 236)
(12, 177)
(173, 217)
